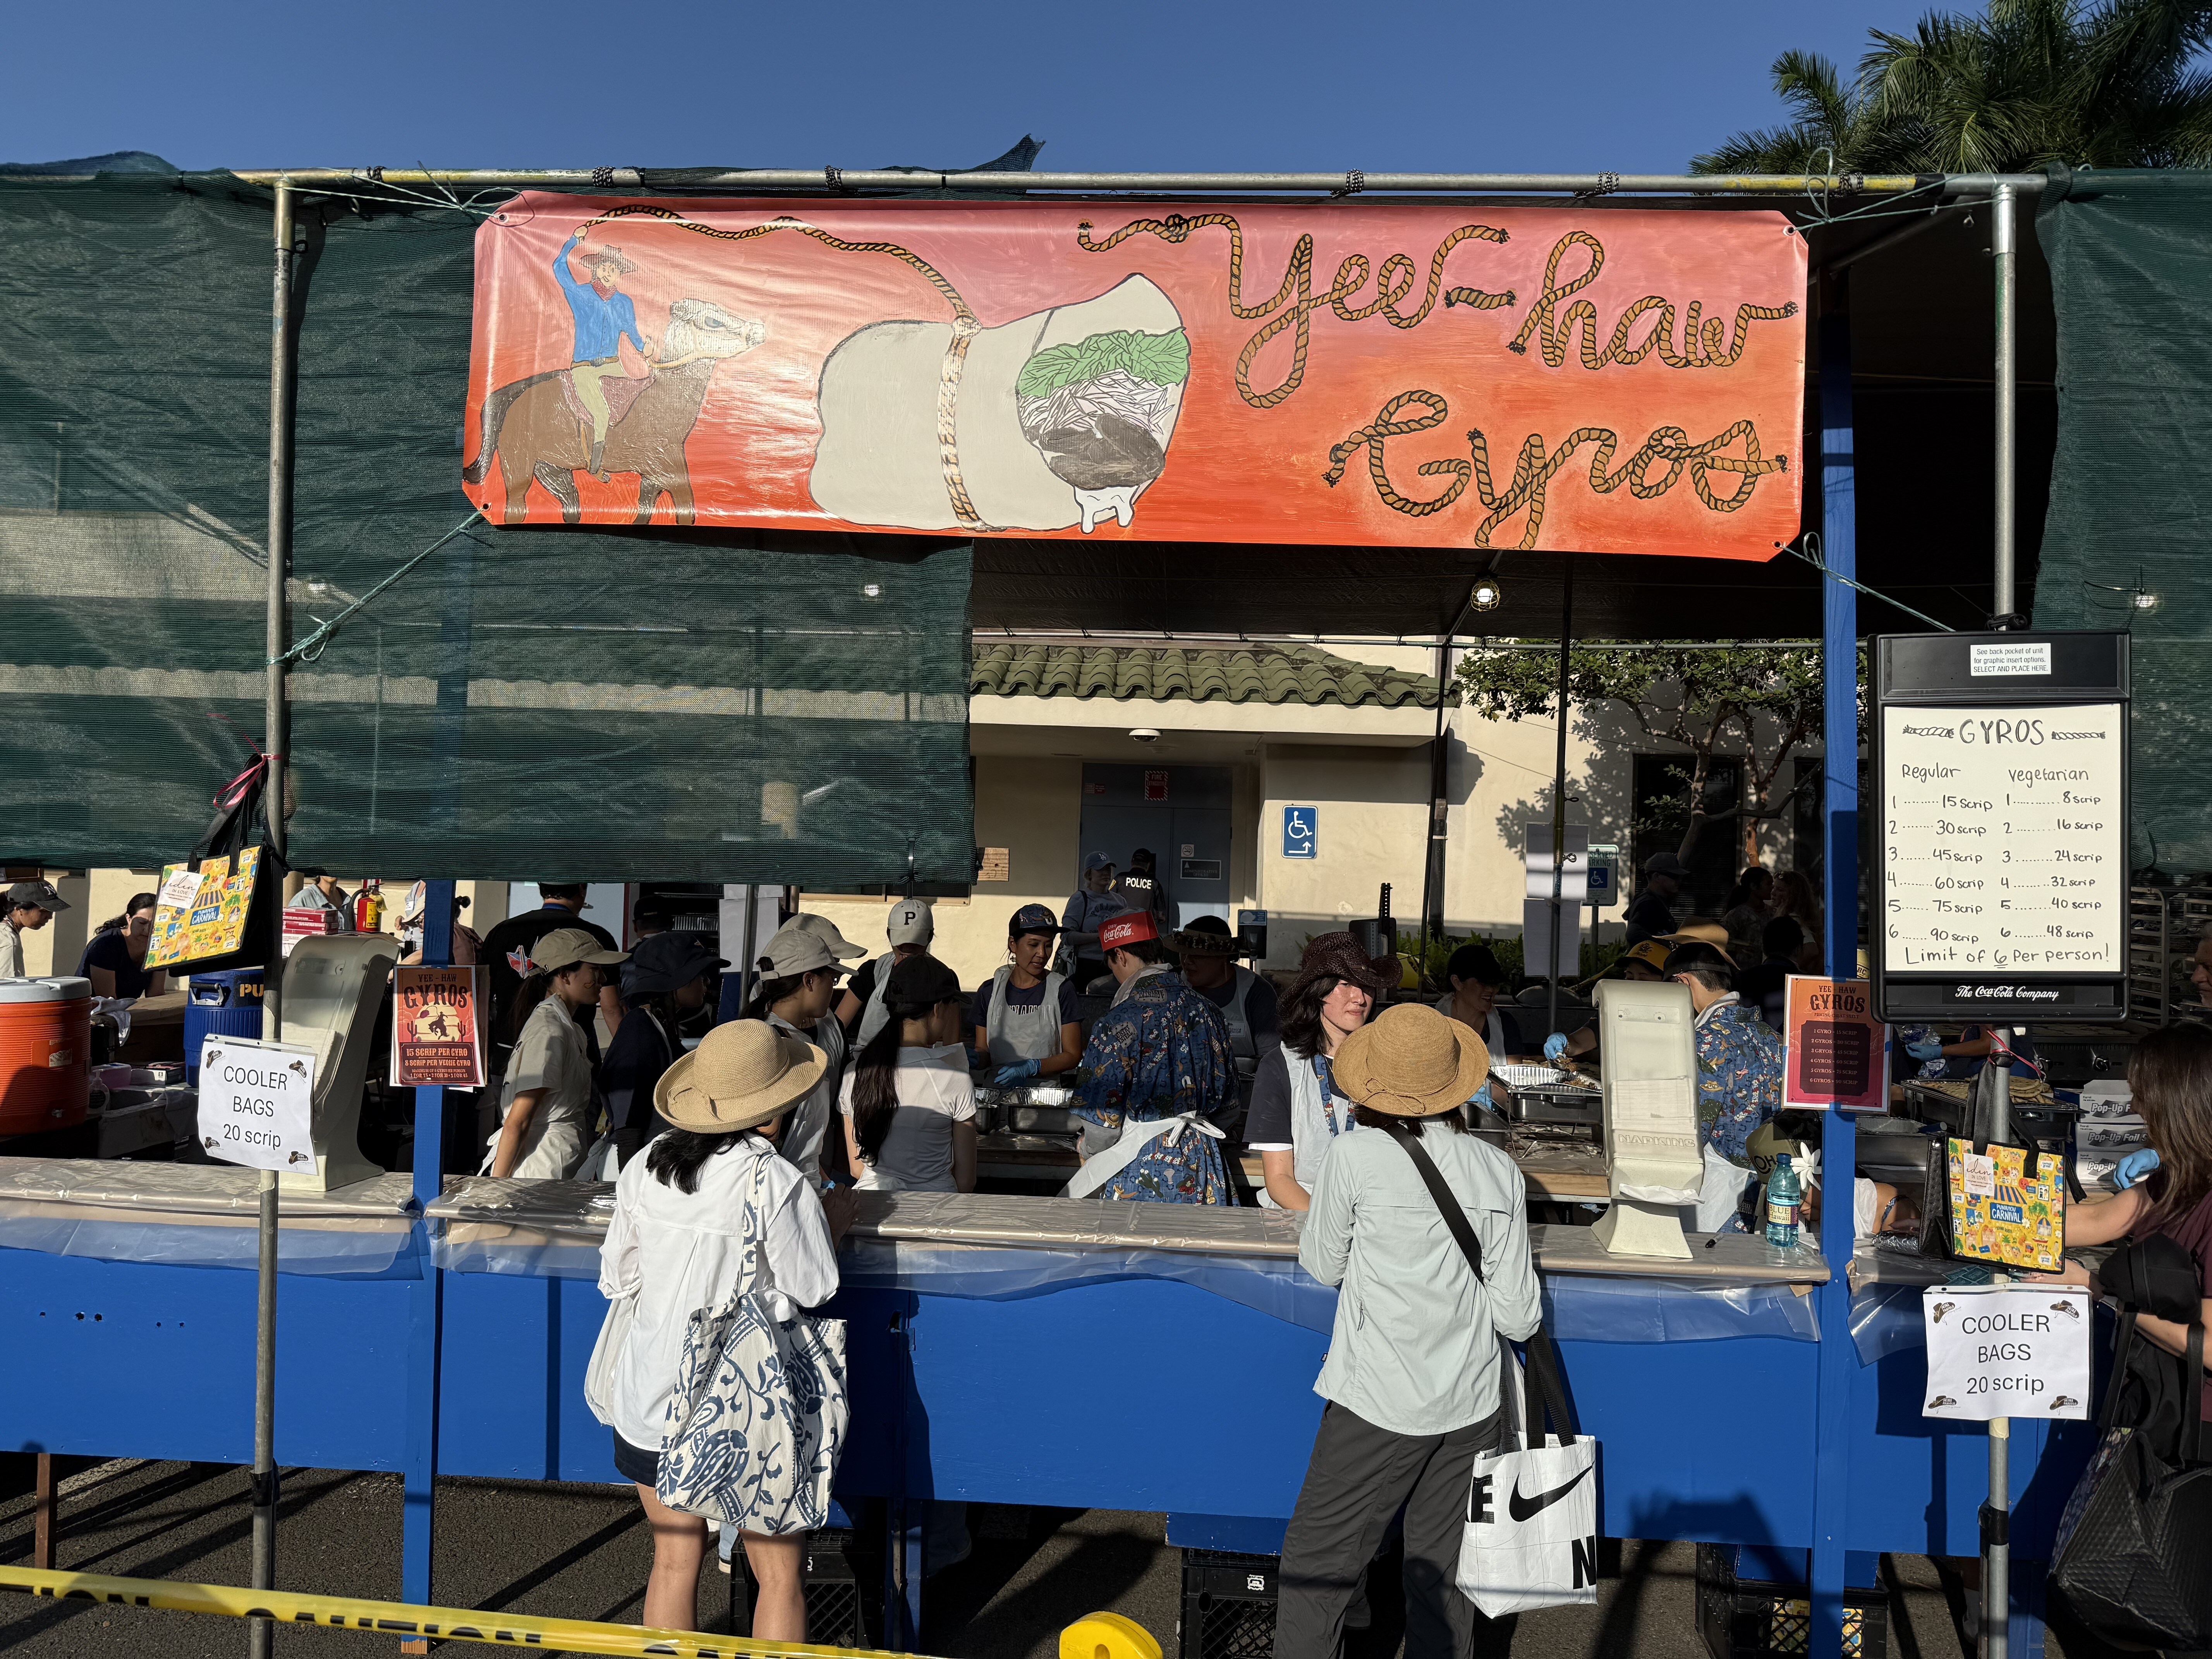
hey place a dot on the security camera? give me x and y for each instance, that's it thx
(1144, 734)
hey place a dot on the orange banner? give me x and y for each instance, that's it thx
(1366, 373)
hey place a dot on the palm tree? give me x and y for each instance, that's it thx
(2116, 85)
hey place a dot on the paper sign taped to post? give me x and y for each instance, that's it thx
(2008, 1351)
(257, 1104)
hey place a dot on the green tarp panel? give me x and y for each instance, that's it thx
(527, 704)
(2130, 257)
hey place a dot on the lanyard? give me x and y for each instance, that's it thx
(1328, 1092)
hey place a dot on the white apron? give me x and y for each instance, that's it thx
(1312, 1121)
(1031, 1033)
(1135, 1136)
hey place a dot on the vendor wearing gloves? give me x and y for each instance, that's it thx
(1297, 1113)
(1023, 1017)
(547, 1112)
(1156, 1074)
(1208, 953)
(1411, 1376)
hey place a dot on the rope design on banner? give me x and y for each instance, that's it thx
(1393, 282)
(965, 327)
(1533, 470)
(1704, 343)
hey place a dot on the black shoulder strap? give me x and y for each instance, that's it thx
(1433, 1178)
(2191, 1449)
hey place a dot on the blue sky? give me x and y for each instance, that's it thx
(1141, 85)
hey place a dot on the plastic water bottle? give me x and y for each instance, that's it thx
(1783, 1194)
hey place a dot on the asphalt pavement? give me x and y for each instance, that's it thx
(581, 1552)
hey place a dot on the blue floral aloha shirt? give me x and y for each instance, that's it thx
(1739, 1078)
(1164, 1051)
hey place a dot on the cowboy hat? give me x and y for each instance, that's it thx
(1698, 930)
(743, 1074)
(593, 257)
(1337, 956)
(1411, 1061)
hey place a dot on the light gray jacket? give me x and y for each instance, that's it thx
(1415, 1346)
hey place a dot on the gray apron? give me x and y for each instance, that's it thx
(1312, 1120)
(1031, 1033)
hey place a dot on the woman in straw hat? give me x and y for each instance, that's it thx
(1411, 1376)
(683, 1216)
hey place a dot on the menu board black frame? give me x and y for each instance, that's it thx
(1935, 672)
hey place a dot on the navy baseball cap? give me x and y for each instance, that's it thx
(1032, 919)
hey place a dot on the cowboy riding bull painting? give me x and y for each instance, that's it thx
(1379, 374)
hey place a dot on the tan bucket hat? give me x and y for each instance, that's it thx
(743, 1074)
(1411, 1061)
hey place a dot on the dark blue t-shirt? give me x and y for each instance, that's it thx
(112, 950)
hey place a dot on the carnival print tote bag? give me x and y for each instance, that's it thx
(757, 1420)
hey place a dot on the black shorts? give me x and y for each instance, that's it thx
(633, 1464)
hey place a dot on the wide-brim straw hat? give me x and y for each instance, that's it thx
(743, 1074)
(1411, 1061)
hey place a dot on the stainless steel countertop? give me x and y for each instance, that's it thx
(198, 1189)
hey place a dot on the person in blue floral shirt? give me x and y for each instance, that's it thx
(1739, 1073)
(1157, 1072)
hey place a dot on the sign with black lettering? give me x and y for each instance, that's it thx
(2008, 1351)
(257, 1104)
(2001, 766)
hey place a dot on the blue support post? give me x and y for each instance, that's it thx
(1840, 773)
(417, 1513)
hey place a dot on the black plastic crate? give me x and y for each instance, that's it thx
(1227, 1606)
(836, 1612)
(1753, 1619)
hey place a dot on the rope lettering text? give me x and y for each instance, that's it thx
(1704, 341)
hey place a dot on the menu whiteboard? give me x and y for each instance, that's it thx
(2004, 841)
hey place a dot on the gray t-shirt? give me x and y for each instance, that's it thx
(935, 1093)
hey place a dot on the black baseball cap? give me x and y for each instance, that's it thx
(1477, 962)
(668, 962)
(41, 894)
(921, 980)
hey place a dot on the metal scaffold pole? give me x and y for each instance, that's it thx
(260, 1631)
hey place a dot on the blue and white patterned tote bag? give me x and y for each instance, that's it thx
(758, 1418)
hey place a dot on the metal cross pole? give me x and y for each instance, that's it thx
(260, 1632)
(1996, 1076)
(1560, 786)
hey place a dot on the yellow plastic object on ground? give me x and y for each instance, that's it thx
(447, 1624)
(1107, 1636)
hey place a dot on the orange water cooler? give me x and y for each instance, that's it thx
(46, 1053)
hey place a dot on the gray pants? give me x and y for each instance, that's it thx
(1356, 1480)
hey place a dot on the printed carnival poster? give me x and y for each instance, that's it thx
(437, 1028)
(1352, 373)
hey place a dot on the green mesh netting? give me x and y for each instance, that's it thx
(2131, 260)
(668, 706)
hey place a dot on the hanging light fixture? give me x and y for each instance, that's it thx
(1486, 595)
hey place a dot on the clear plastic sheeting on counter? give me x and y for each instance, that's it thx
(191, 1215)
(536, 1228)
(1887, 1319)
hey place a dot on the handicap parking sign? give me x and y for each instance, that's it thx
(1301, 831)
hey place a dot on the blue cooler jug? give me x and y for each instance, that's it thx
(220, 1005)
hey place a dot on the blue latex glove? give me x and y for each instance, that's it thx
(1555, 1045)
(1020, 1071)
(1926, 1048)
(2133, 1167)
(1482, 1098)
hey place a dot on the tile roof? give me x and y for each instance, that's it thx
(1255, 673)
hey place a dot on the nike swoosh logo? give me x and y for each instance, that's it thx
(1522, 1509)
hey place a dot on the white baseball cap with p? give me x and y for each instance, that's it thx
(912, 922)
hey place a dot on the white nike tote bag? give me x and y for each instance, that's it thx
(1531, 1537)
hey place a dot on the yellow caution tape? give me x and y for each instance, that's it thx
(402, 1619)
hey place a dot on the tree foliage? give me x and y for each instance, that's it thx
(1767, 697)
(2120, 84)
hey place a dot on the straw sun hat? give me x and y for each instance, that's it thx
(1411, 1061)
(743, 1074)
